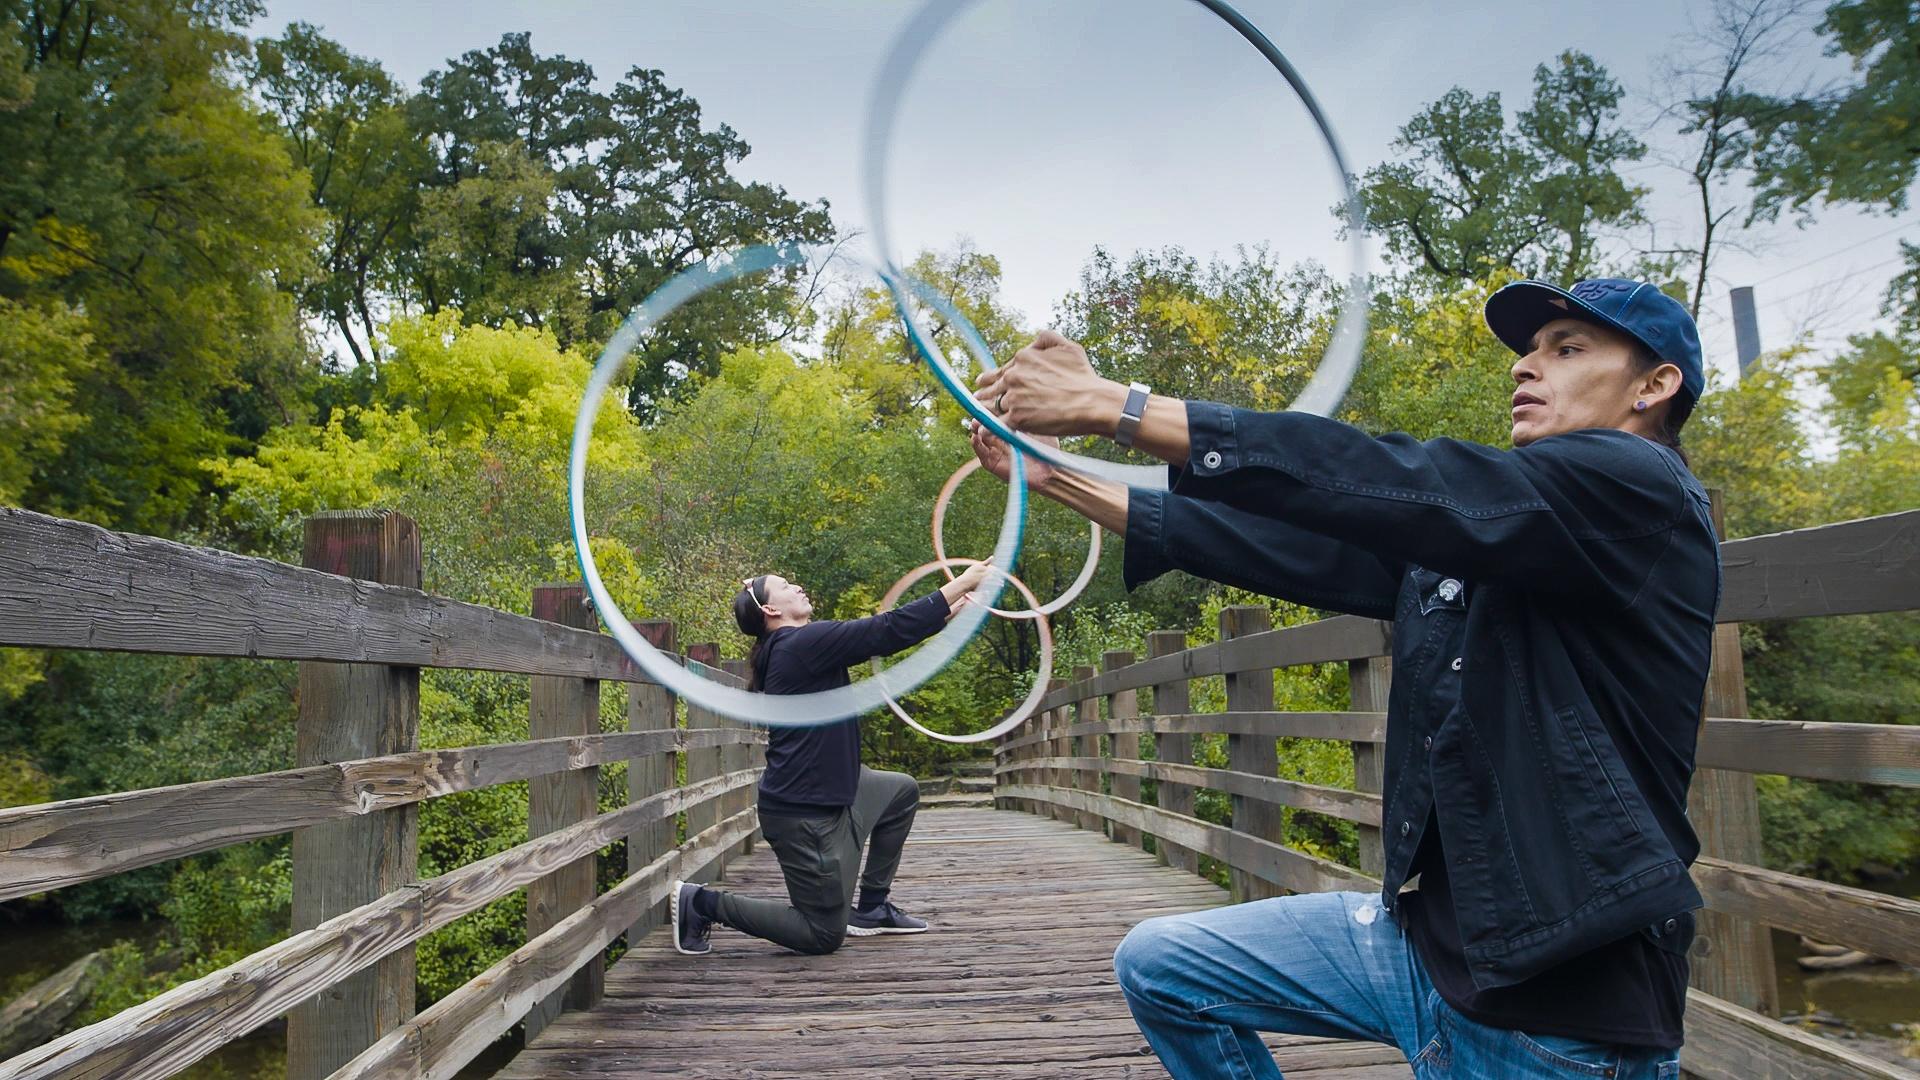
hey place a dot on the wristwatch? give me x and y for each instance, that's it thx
(1130, 413)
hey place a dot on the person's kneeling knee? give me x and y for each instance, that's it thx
(827, 938)
(1142, 955)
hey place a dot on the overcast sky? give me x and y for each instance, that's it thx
(1038, 129)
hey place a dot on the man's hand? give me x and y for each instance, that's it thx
(1049, 388)
(997, 457)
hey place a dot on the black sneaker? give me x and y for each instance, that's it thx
(884, 918)
(690, 928)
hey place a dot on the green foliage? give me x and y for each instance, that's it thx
(177, 205)
(1858, 143)
(136, 185)
(1466, 195)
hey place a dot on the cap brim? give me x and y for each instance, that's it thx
(1517, 312)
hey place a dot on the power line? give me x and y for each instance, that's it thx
(1903, 226)
(1838, 280)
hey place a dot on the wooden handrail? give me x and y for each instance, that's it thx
(70, 585)
(1354, 806)
(1847, 568)
(167, 1033)
(1274, 863)
(1339, 726)
(53, 845)
(1886, 754)
(458, 1027)
(1340, 638)
(1872, 922)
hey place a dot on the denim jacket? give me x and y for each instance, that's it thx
(1553, 610)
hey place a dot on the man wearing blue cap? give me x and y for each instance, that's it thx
(1553, 610)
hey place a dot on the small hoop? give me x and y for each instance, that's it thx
(1074, 590)
(1027, 707)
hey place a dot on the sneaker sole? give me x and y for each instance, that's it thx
(673, 911)
(875, 931)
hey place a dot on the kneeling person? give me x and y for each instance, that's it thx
(819, 807)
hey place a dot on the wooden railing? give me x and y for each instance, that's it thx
(1082, 762)
(355, 619)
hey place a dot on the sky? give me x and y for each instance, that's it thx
(1038, 129)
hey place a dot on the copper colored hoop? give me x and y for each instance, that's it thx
(1027, 707)
(1038, 611)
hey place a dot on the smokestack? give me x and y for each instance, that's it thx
(1746, 327)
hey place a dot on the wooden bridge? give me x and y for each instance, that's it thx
(1029, 899)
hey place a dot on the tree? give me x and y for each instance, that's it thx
(1470, 195)
(1455, 202)
(345, 123)
(1712, 105)
(1858, 143)
(1246, 331)
(557, 205)
(138, 186)
(1573, 128)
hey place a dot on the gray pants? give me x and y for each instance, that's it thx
(820, 857)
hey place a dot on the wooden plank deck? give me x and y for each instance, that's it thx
(1014, 980)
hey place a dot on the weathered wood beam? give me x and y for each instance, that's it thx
(1872, 922)
(1846, 568)
(1355, 806)
(1339, 726)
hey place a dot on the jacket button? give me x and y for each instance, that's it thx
(1457, 663)
(1406, 827)
(1212, 460)
(1672, 925)
(1429, 742)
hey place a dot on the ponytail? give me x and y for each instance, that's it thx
(751, 617)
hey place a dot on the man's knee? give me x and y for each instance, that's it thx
(1144, 955)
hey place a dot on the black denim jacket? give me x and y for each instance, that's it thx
(1553, 611)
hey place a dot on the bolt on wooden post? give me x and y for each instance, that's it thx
(349, 711)
(563, 706)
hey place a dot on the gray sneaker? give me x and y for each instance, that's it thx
(690, 929)
(884, 918)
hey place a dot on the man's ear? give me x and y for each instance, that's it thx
(1660, 384)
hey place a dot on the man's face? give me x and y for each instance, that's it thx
(788, 598)
(1578, 375)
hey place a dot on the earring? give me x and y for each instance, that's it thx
(1639, 406)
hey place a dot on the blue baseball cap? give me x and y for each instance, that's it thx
(1635, 308)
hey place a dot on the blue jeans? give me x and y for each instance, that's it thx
(1203, 985)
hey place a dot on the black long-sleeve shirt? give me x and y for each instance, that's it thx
(814, 771)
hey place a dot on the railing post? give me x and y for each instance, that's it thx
(703, 764)
(1251, 691)
(1368, 681)
(1171, 698)
(1123, 705)
(1733, 958)
(1058, 746)
(735, 757)
(650, 707)
(1086, 711)
(350, 711)
(562, 706)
